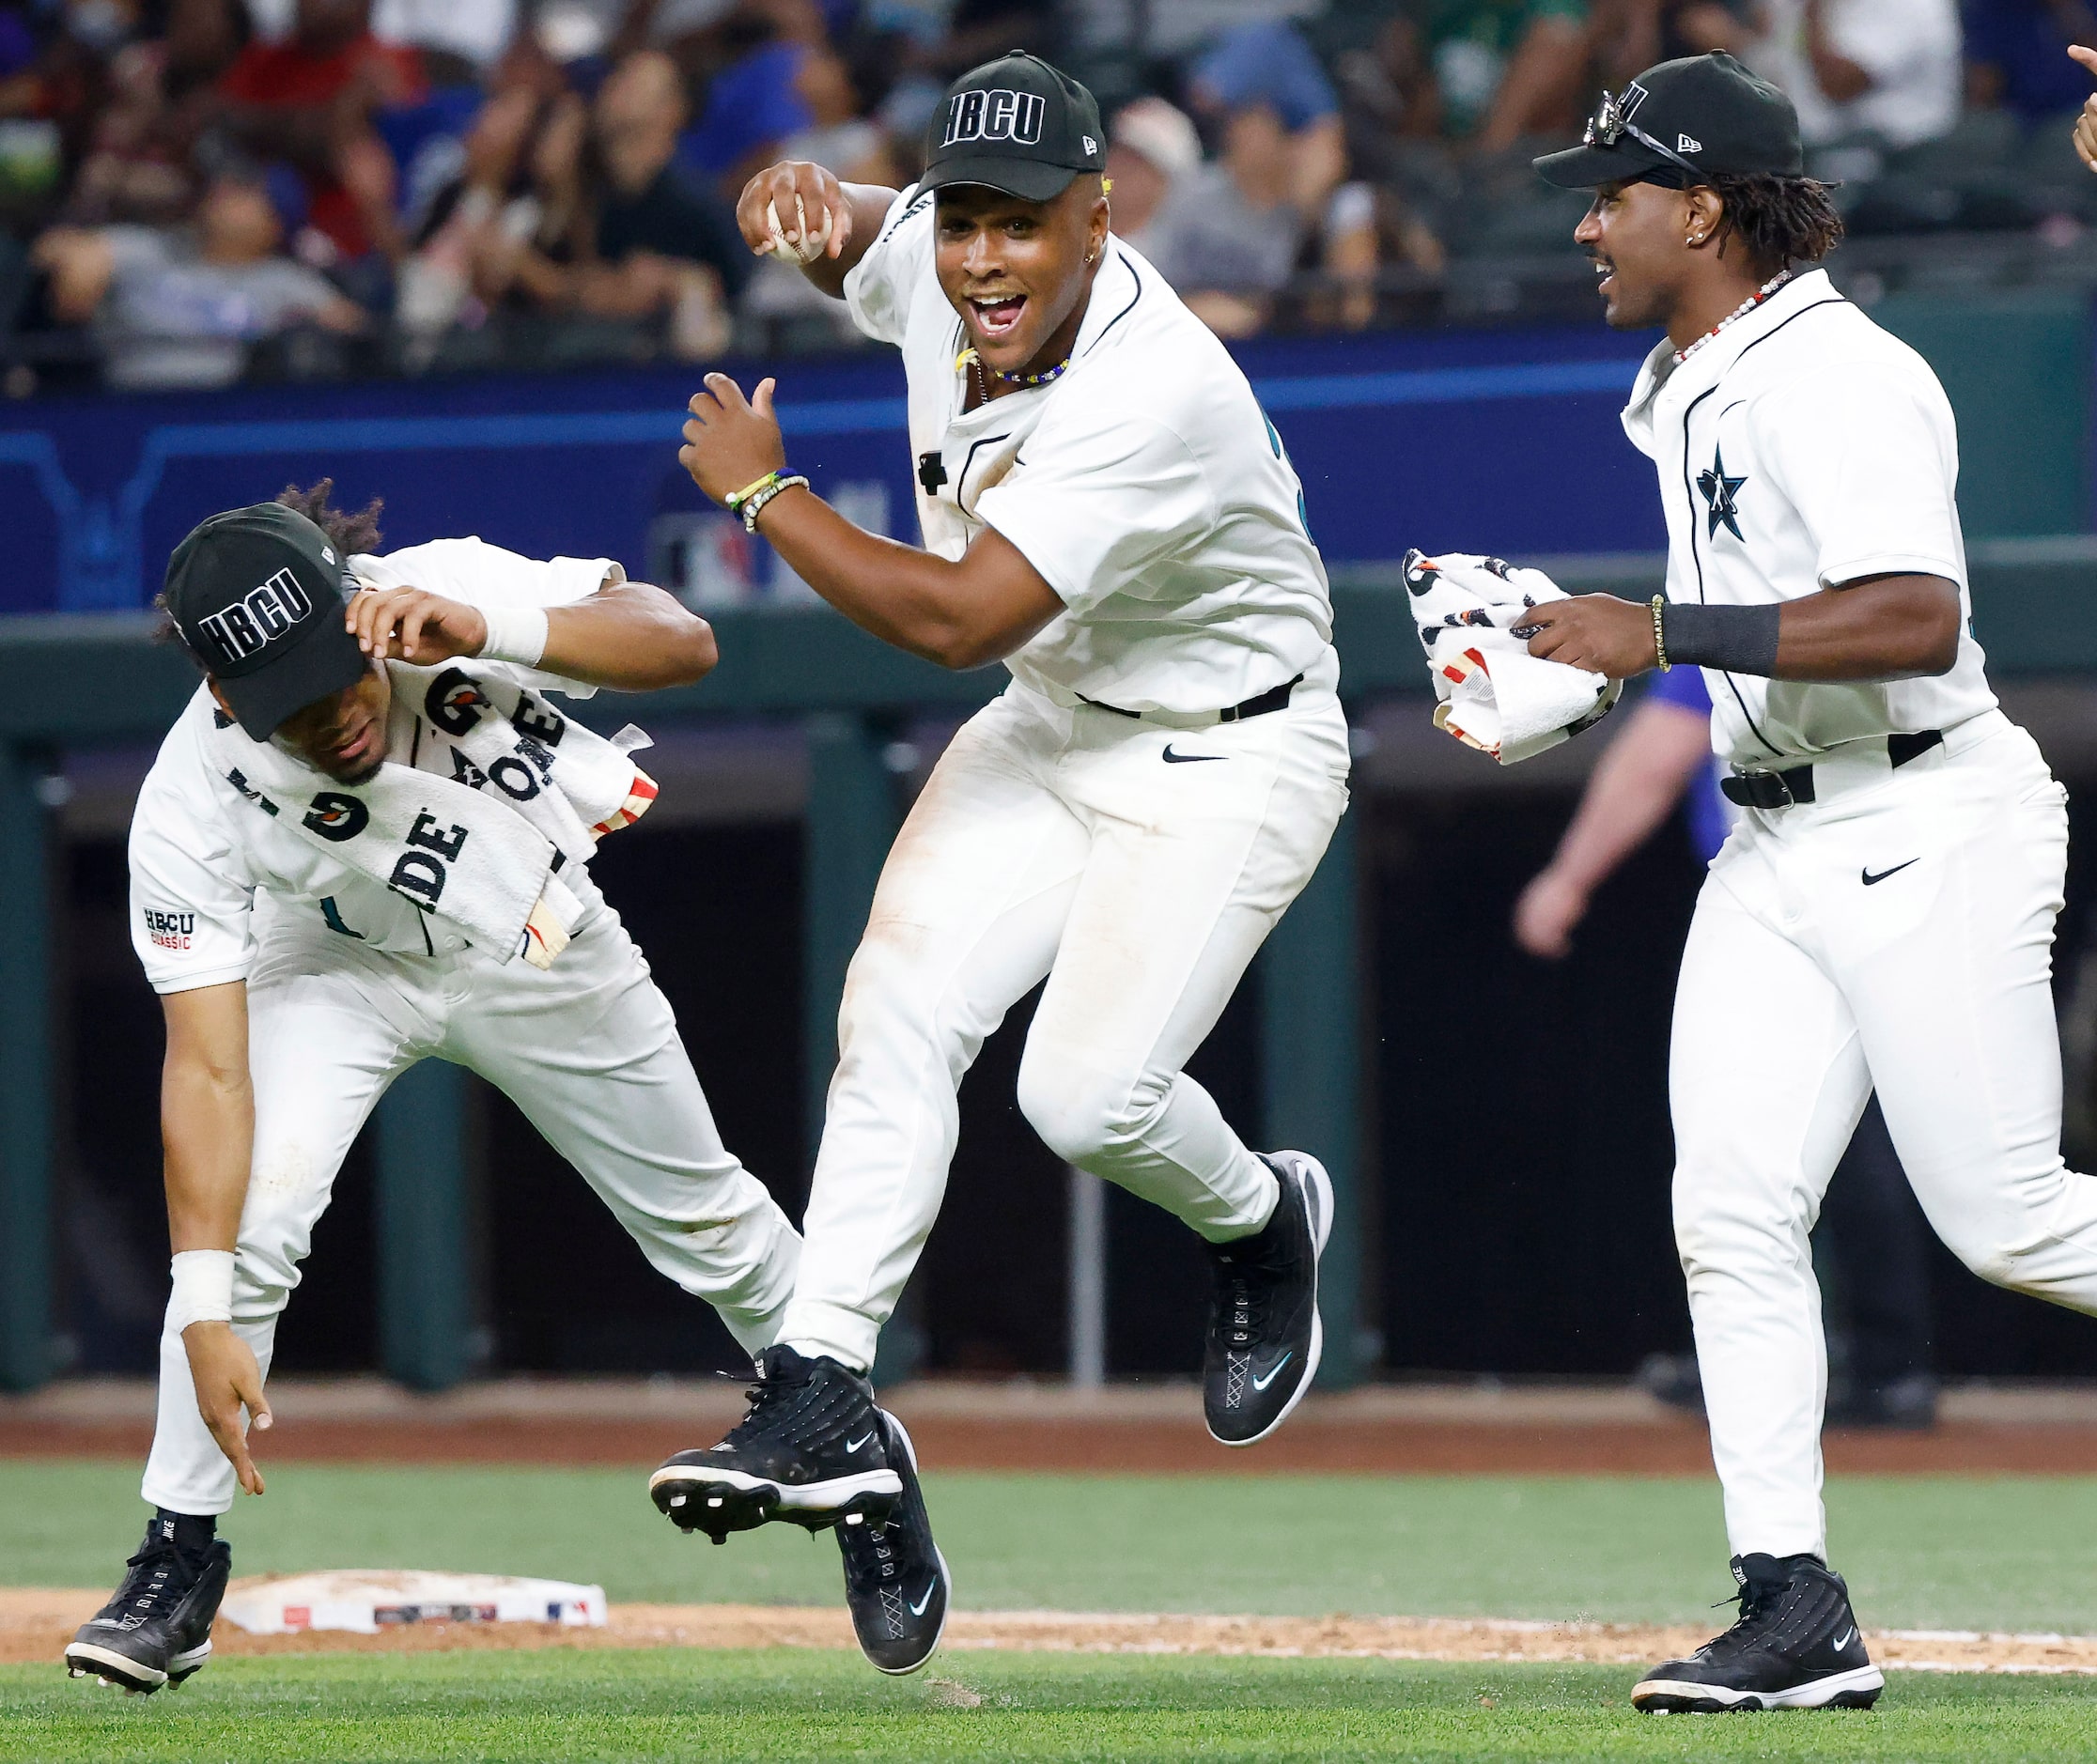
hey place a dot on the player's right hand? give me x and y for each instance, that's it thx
(772, 192)
(2086, 125)
(227, 1379)
(1545, 915)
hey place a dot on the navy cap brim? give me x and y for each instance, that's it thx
(322, 662)
(1031, 180)
(1588, 167)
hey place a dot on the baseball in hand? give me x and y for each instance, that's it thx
(803, 245)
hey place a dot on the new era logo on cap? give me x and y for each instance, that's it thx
(1688, 144)
(237, 631)
(996, 114)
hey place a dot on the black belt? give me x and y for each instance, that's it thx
(1257, 705)
(1781, 790)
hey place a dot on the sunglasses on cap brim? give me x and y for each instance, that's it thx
(1609, 125)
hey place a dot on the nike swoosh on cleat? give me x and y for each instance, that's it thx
(1188, 759)
(918, 1608)
(1274, 1371)
(1844, 1640)
(859, 1442)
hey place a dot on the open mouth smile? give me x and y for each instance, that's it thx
(998, 316)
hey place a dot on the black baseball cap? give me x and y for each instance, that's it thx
(1683, 122)
(257, 594)
(1017, 125)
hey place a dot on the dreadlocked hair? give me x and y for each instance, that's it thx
(348, 533)
(1779, 221)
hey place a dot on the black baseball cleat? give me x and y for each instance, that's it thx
(1795, 1646)
(157, 1628)
(809, 1450)
(895, 1579)
(1263, 1333)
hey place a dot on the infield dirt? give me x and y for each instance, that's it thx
(35, 1625)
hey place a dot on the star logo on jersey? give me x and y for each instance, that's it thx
(1719, 493)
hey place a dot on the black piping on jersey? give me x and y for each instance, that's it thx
(1689, 497)
(961, 483)
(1122, 258)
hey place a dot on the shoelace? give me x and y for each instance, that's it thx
(767, 1396)
(155, 1577)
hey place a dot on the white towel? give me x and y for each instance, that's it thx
(530, 792)
(1492, 694)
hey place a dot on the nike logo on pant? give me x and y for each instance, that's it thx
(1869, 879)
(1188, 759)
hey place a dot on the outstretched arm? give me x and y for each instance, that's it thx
(628, 635)
(958, 615)
(1636, 783)
(208, 1139)
(1884, 628)
(854, 214)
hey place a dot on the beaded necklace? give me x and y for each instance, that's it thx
(969, 358)
(1741, 311)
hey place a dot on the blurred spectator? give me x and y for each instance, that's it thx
(467, 235)
(1888, 69)
(1633, 35)
(751, 106)
(1505, 69)
(1269, 64)
(1231, 232)
(179, 308)
(2016, 55)
(1150, 147)
(616, 231)
(310, 99)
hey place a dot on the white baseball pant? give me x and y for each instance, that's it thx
(1139, 869)
(587, 1050)
(1896, 933)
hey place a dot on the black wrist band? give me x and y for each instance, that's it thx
(1734, 640)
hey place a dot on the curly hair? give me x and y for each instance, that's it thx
(1779, 221)
(350, 533)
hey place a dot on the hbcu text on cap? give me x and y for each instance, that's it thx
(994, 115)
(238, 631)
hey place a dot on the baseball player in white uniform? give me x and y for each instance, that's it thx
(1106, 510)
(1884, 913)
(363, 845)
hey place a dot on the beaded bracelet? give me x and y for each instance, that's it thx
(734, 503)
(1660, 635)
(755, 505)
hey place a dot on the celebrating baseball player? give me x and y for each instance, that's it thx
(1106, 511)
(364, 843)
(1883, 914)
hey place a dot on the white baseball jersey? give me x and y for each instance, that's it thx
(1803, 448)
(202, 860)
(1145, 485)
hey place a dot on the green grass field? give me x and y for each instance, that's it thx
(1937, 1553)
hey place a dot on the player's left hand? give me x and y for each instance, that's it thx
(1598, 632)
(414, 625)
(731, 441)
(2086, 125)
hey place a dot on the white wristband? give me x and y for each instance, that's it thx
(514, 634)
(203, 1288)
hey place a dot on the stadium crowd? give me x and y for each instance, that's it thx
(192, 191)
